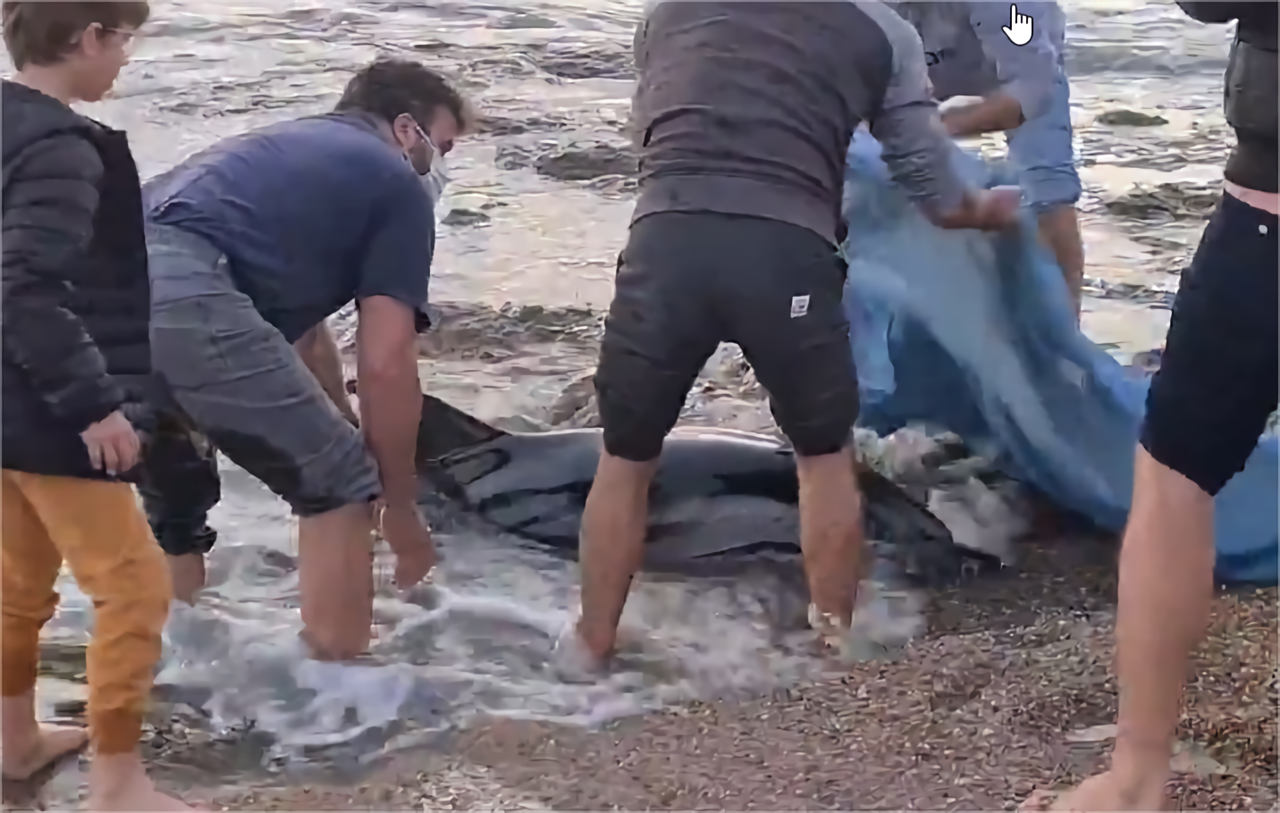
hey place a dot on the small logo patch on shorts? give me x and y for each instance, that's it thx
(799, 306)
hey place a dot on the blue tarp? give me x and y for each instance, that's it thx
(974, 333)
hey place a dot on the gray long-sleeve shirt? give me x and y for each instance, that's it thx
(969, 55)
(748, 108)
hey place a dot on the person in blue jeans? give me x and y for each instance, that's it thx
(1024, 93)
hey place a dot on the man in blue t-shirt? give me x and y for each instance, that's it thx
(252, 244)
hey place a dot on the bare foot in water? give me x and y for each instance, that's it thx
(120, 782)
(50, 745)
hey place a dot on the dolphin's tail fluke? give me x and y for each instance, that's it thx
(446, 429)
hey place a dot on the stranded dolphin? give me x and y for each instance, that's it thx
(717, 492)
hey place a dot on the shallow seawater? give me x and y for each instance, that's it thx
(553, 81)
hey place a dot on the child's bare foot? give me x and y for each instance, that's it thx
(137, 799)
(50, 745)
(119, 782)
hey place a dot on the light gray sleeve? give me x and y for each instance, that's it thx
(915, 145)
(1026, 72)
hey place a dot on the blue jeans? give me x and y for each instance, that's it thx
(1043, 155)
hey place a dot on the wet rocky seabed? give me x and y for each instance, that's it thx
(1010, 688)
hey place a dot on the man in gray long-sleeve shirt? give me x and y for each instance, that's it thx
(1025, 94)
(744, 112)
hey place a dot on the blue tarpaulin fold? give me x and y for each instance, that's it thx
(974, 333)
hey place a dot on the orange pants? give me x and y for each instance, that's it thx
(98, 528)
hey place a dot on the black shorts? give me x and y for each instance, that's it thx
(1217, 382)
(687, 282)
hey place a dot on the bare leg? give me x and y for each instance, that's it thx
(1060, 231)
(335, 573)
(187, 572)
(1166, 587)
(611, 547)
(831, 535)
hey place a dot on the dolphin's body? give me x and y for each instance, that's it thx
(717, 492)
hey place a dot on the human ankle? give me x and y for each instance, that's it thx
(111, 774)
(835, 607)
(598, 641)
(120, 782)
(19, 728)
(188, 576)
(1141, 764)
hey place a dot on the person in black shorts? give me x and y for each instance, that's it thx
(744, 112)
(1211, 399)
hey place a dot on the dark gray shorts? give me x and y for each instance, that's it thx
(687, 282)
(242, 385)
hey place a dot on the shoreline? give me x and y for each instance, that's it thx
(1009, 691)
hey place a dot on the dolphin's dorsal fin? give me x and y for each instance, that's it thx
(446, 429)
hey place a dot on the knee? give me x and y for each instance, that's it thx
(1207, 461)
(345, 477)
(1206, 449)
(26, 606)
(635, 444)
(152, 568)
(835, 470)
(140, 591)
(823, 428)
(819, 441)
(635, 424)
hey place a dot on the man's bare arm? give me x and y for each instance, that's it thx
(320, 353)
(994, 113)
(390, 394)
(915, 144)
(1027, 72)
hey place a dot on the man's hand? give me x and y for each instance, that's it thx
(407, 534)
(996, 113)
(987, 210)
(112, 444)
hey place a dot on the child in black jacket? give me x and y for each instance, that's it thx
(75, 347)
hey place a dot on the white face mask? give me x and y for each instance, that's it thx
(436, 180)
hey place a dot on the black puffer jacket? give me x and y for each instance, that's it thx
(76, 301)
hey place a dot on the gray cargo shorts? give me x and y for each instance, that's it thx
(239, 383)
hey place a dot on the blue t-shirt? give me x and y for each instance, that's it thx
(310, 213)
